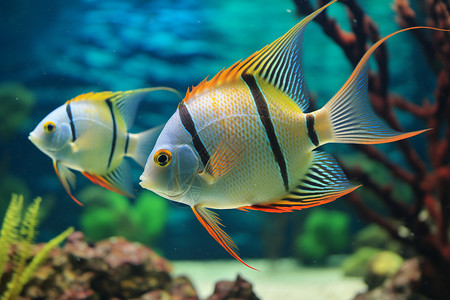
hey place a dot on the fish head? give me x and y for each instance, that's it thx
(173, 163)
(53, 133)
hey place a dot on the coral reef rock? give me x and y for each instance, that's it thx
(110, 269)
(383, 265)
(412, 281)
(240, 289)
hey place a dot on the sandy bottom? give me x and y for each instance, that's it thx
(283, 279)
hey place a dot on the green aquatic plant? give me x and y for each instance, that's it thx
(110, 214)
(357, 264)
(20, 233)
(324, 233)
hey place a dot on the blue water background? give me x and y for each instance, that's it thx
(59, 49)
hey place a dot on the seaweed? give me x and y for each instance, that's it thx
(422, 222)
(20, 233)
(324, 233)
(110, 214)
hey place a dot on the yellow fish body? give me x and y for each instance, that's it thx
(243, 140)
(90, 134)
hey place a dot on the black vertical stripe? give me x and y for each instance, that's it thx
(72, 124)
(127, 142)
(114, 137)
(189, 125)
(264, 115)
(312, 134)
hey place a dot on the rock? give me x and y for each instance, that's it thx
(382, 266)
(110, 269)
(181, 288)
(240, 289)
(410, 282)
(357, 264)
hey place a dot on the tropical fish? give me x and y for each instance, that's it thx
(243, 139)
(89, 133)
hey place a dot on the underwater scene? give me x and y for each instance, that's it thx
(225, 150)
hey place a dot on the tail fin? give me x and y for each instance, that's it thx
(349, 112)
(141, 144)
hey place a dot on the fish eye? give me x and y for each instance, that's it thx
(49, 127)
(162, 157)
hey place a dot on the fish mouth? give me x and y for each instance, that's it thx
(32, 137)
(35, 140)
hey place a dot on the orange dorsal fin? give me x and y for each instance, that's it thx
(279, 63)
(229, 75)
(212, 224)
(120, 95)
(125, 102)
(92, 96)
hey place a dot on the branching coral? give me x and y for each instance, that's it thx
(422, 223)
(20, 233)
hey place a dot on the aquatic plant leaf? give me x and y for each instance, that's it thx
(25, 239)
(9, 233)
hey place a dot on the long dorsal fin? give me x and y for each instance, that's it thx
(279, 63)
(126, 102)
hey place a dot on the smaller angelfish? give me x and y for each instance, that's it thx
(89, 133)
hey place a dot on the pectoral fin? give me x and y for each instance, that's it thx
(67, 178)
(224, 159)
(211, 222)
(87, 141)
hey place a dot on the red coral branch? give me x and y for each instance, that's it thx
(427, 215)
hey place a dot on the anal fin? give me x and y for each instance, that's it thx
(118, 180)
(323, 182)
(212, 224)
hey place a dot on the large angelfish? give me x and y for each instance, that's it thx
(243, 140)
